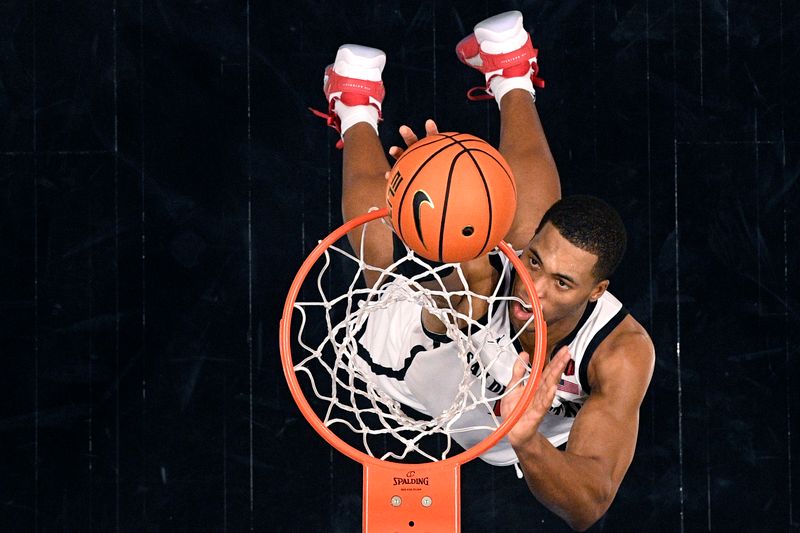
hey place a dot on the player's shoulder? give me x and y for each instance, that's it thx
(629, 334)
(626, 353)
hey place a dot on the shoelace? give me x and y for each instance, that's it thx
(332, 120)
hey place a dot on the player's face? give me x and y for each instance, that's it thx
(562, 275)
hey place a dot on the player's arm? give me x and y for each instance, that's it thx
(364, 187)
(525, 148)
(364, 172)
(481, 277)
(580, 483)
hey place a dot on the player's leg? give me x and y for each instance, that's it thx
(523, 144)
(502, 50)
(354, 92)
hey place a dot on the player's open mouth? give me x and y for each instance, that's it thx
(519, 312)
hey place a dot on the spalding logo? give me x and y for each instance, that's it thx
(411, 479)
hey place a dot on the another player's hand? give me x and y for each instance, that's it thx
(409, 137)
(528, 424)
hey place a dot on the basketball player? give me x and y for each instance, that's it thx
(600, 358)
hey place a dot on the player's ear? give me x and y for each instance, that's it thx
(598, 290)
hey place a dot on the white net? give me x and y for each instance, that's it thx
(380, 384)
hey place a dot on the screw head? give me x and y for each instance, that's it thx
(396, 501)
(426, 501)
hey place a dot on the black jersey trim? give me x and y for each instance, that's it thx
(600, 336)
(566, 341)
(380, 370)
(436, 337)
(572, 334)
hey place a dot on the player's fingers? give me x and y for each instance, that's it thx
(430, 127)
(396, 152)
(516, 384)
(544, 397)
(562, 357)
(387, 174)
(520, 367)
(551, 375)
(557, 364)
(408, 135)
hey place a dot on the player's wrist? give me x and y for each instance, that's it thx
(530, 449)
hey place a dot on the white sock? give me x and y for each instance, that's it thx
(352, 115)
(500, 86)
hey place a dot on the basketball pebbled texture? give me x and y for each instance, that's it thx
(451, 197)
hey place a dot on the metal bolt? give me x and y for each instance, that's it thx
(426, 501)
(396, 501)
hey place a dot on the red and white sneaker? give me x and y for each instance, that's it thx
(500, 47)
(353, 88)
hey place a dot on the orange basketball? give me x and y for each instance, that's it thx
(451, 197)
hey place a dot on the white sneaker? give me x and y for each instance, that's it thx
(354, 79)
(500, 46)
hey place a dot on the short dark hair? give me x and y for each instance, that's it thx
(593, 226)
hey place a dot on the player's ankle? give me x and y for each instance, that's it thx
(352, 115)
(501, 86)
(514, 96)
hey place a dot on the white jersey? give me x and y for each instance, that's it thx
(422, 369)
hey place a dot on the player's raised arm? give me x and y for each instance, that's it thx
(354, 92)
(502, 50)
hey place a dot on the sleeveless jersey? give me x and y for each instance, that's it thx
(422, 369)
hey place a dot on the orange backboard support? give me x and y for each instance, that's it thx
(411, 498)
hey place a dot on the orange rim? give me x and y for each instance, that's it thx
(285, 340)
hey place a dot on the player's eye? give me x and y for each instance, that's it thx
(562, 284)
(534, 263)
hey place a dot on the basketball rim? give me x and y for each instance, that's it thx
(436, 506)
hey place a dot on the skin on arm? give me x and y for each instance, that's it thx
(580, 483)
(364, 187)
(364, 173)
(525, 148)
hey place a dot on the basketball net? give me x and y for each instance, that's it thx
(353, 410)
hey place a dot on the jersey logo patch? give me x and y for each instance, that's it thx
(566, 409)
(568, 386)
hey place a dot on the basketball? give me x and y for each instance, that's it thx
(451, 197)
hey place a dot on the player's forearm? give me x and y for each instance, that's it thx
(569, 485)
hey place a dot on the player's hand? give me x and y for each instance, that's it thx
(409, 137)
(528, 424)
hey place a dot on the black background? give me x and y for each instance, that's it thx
(162, 180)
